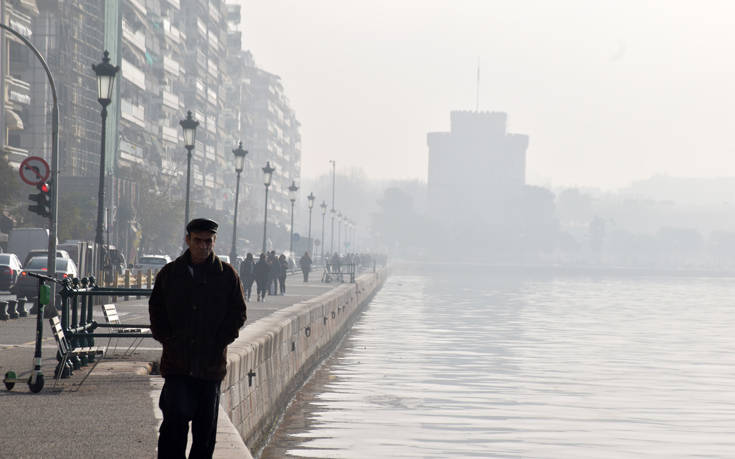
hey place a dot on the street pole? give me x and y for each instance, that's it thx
(265, 217)
(292, 197)
(239, 166)
(233, 251)
(323, 206)
(188, 182)
(334, 167)
(311, 199)
(267, 177)
(189, 126)
(101, 191)
(290, 244)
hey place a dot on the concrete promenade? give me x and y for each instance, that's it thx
(114, 413)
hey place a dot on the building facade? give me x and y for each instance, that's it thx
(174, 56)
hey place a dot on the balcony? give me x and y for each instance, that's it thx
(171, 66)
(170, 134)
(136, 39)
(170, 100)
(133, 113)
(17, 90)
(133, 74)
(131, 152)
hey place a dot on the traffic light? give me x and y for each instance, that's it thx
(42, 200)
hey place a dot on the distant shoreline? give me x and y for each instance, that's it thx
(563, 269)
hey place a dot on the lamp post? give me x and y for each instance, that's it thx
(267, 176)
(339, 232)
(105, 73)
(334, 166)
(292, 196)
(311, 199)
(189, 125)
(324, 215)
(239, 165)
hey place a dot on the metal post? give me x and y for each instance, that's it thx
(311, 246)
(233, 251)
(101, 190)
(188, 182)
(290, 244)
(334, 166)
(324, 216)
(265, 218)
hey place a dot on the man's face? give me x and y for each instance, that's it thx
(200, 244)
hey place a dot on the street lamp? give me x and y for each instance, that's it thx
(239, 165)
(105, 81)
(334, 167)
(267, 177)
(324, 214)
(189, 125)
(339, 232)
(292, 196)
(311, 199)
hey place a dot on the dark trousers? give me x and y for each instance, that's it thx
(282, 281)
(306, 274)
(185, 399)
(262, 287)
(247, 287)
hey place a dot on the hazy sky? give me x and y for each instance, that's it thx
(609, 91)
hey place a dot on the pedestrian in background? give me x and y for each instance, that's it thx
(262, 277)
(282, 273)
(305, 264)
(196, 310)
(275, 272)
(247, 274)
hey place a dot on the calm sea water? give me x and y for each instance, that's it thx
(478, 362)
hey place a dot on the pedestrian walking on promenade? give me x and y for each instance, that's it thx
(282, 273)
(275, 272)
(247, 274)
(196, 310)
(262, 277)
(305, 264)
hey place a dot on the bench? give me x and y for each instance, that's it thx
(337, 273)
(112, 317)
(66, 350)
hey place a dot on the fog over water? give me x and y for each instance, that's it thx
(475, 361)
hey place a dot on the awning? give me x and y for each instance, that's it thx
(12, 120)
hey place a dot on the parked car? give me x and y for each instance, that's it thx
(28, 285)
(10, 268)
(153, 262)
(44, 253)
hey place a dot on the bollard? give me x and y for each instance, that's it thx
(139, 279)
(149, 280)
(126, 280)
(12, 313)
(3, 311)
(22, 307)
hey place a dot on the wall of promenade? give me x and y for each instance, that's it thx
(273, 357)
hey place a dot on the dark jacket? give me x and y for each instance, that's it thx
(196, 318)
(262, 271)
(247, 270)
(305, 262)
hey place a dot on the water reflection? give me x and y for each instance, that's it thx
(477, 364)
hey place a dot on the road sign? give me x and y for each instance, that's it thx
(34, 170)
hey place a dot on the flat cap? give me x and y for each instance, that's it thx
(201, 224)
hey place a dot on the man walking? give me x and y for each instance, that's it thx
(196, 310)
